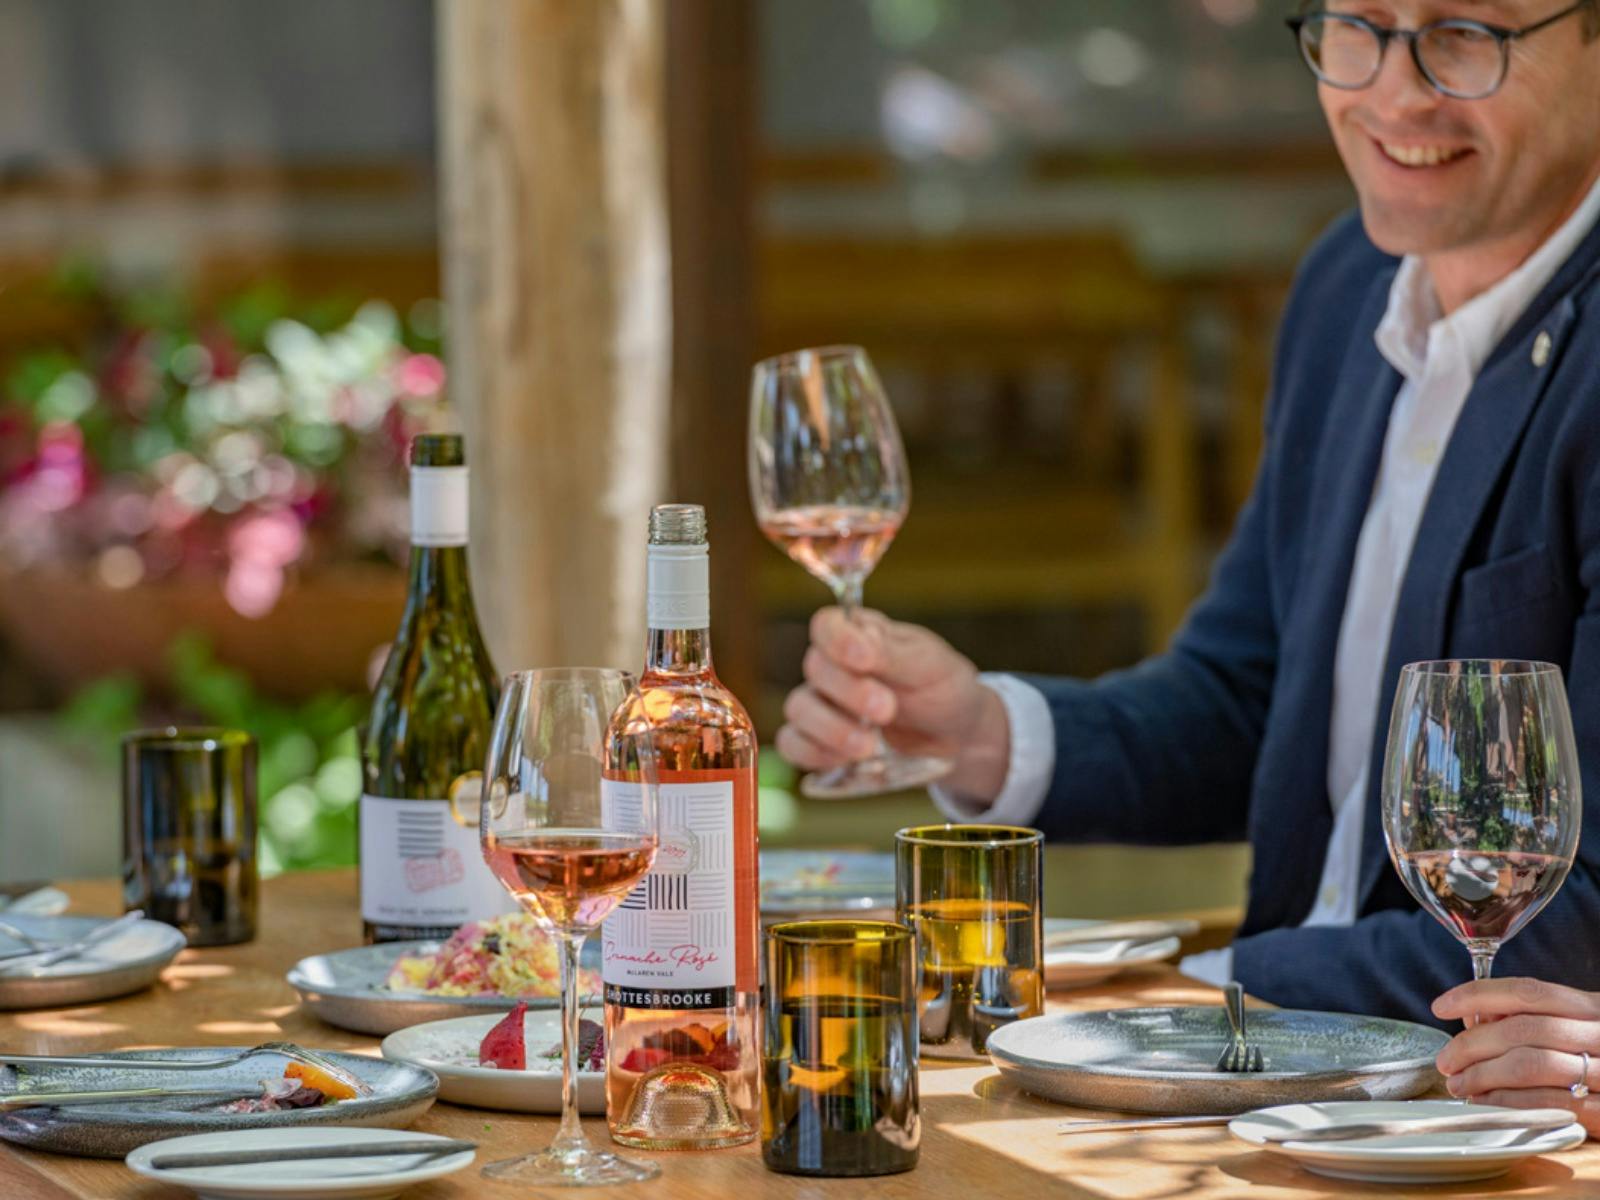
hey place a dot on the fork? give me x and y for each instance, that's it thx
(1238, 1056)
(288, 1050)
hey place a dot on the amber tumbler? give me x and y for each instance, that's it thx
(189, 831)
(839, 1059)
(972, 894)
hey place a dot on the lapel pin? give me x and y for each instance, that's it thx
(1541, 348)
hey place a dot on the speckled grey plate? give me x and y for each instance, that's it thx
(1163, 1060)
(126, 962)
(345, 988)
(402, 1092)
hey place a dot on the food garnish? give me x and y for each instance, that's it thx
(319, 1080)
(505, 1046)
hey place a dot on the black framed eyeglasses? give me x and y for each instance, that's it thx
(1461, 58)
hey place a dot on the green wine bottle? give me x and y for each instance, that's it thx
(427, 736)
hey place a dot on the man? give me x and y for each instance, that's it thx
(1429, 488)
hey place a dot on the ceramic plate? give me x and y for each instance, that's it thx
(129, 960)
(819, 883)
(1427, 1158)
(375, 1178)
(38, 902)
(1094, 962)
(346, 988)
(1163, 1060)
(450, 1050)
(401, 1094)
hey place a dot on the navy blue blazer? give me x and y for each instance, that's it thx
(1225, 736)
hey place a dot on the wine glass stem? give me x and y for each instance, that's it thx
(1482, 962)
(848, 592)
(570, 1135)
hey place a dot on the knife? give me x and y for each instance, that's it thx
(1533, 1120)
(1530, 1120)
(433, 1147)
(60, 1098)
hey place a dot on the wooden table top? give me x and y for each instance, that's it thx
(981, 1137)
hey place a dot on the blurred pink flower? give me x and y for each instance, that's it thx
(420, 375)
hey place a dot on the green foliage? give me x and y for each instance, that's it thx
(309, 767)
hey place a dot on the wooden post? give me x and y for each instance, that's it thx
(558, 285)
(711, 113)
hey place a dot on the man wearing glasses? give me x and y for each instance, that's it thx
(1430, 488)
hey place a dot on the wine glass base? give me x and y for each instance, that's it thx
(573, 1166)
(874, 776)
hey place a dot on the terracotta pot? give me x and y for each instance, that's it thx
(70, 629)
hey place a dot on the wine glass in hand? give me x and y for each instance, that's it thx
(1481, 798)
(830, 487)
(569, 827)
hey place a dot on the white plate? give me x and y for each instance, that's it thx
(1094, 962)
(1426, 1158)
(444, 1046)
(350, 1178)
(131, 959)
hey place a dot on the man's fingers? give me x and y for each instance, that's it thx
(1520, 1068)
(1503, 997)
(824, 724)
(863, 698)
(856, 641)
(1494, 1038)
(801, 751)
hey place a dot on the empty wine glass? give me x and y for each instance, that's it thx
(569, 827)
(1481, 797)
(830, 487)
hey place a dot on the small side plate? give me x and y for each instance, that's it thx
(376, 1178)
(131, 959)
(1088, 963)
(1413, 1159)
(450, 1050)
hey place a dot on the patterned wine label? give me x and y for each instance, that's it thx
(670, 944)
(421, 868)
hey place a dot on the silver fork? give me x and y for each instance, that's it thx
(1238, 1056)
(288, 1050)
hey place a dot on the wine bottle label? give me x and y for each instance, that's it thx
(420, 867)
(438, 506)
(671, 943)
(678, 587)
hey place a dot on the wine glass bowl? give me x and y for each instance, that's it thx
(1482, 803)
(569, 827)
(830, 486)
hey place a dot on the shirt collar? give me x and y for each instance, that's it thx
(1413, 325)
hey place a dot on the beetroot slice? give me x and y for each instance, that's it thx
(504, 1046)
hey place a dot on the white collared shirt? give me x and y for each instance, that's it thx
(1439, 357)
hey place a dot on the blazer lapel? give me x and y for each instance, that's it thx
(1294, 763)
(1482, 447)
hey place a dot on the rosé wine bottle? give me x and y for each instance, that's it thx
(680, 962)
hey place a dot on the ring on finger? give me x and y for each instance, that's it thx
(1580, 1089)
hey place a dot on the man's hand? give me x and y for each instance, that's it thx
(1527, 1049)
(868, 672)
